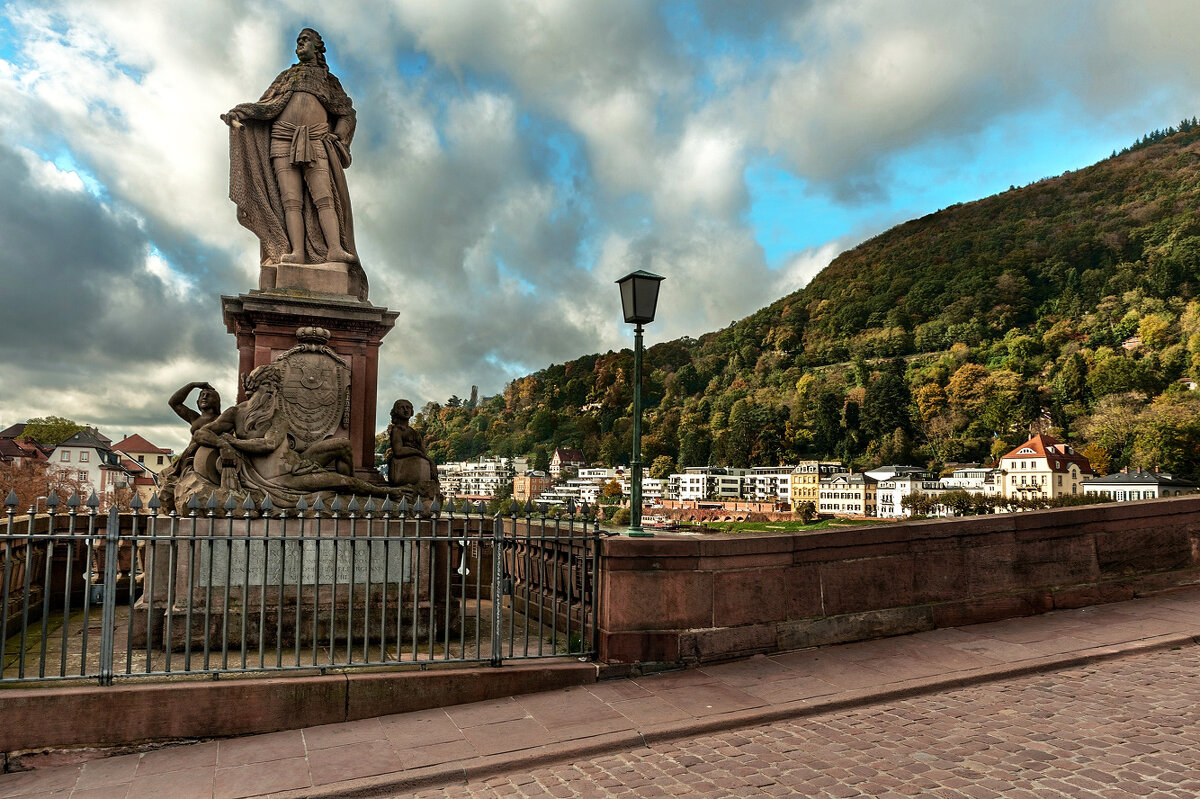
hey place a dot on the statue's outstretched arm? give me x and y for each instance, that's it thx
(179, 397)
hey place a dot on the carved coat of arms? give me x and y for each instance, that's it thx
(315, 389)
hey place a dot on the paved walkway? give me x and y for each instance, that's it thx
(396, 754)
(1109, 729)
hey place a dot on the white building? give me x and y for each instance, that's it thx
(848, 494)
(88, 458)
(478, 479)
(687, 486)
(769, 484)
(652, 488)
(890, 493)
(988, 482)
(1125, 486)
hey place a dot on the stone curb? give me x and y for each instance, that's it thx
(483, 767)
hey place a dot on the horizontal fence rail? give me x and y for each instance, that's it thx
(241, 589)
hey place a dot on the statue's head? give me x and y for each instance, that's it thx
(402, 409)
(262, 385)
(310, 47)
(209, 401)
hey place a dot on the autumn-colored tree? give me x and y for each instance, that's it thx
(33, 480)
(1098, 457)
(663, 467)
(967, 389)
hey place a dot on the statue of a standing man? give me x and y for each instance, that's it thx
(287, 155)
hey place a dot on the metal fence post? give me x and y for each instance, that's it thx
(497, 586)
(108, 612)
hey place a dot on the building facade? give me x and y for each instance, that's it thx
(806, 478)
(1126, 485)
(848, 494)
(1043, 467)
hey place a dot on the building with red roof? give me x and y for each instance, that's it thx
(1044, 467)
(139, 449)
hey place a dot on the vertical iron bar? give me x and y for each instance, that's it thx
(526, 568)
(27, 571)
(245, 583)
(87, 590)
(350, 591)
(570, 585)
(133, 545)
(497, 587)
(62, 666)
(554, 604)
(432, 584)
(212, 552)
(172, 599)
(449, 579)
(399, 585)
(193, 561)
(300, 585)
(281, 548)
(262, 590)
(109, 610)
(226, 589)
(593, 598)
(366, 626)
(479, 579)
(50, 547)
(316, 587)
(8, 548)
(385, 587)
(415, 572)
(337, 555)
(148, 594)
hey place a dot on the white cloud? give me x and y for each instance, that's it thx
(512, 159)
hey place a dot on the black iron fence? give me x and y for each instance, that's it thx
(245, 588)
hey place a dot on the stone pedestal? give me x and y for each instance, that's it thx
(265, 324)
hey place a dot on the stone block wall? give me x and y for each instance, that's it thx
(686, 599)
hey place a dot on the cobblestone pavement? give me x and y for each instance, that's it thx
(1120, 728)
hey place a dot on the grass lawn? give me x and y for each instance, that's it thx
(787, 527)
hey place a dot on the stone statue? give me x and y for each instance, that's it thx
(208, 408)
(287, 153)
(408, 464)
(280, 442)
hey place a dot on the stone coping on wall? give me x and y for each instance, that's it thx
(679, 599)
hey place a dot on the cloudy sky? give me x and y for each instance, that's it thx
(514, 157)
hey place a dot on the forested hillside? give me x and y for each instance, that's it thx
(1069, 304)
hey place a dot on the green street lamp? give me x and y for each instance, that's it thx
(639, 298)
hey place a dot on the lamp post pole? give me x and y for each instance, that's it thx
(635, 462)
(639, 298)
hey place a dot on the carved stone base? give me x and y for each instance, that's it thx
(329, 278)
(265, 324)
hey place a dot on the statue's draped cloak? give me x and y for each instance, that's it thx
(252, 183)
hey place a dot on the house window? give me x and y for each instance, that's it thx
(141, 458)
(83, 457)
(65, 456)
(1060, 480)
(82, 476)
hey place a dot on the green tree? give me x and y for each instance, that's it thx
(885, 406)
(663, 467)
(51, 430)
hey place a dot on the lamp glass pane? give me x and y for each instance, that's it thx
(646, 297)
(627, 299)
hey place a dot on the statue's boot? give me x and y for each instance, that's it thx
(294, 220)
(333, 236)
